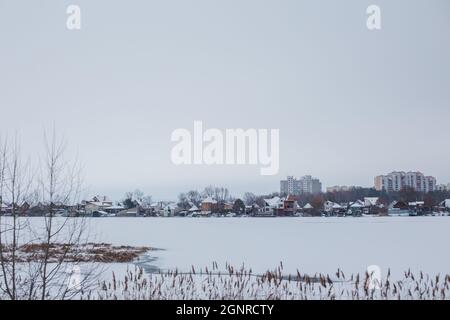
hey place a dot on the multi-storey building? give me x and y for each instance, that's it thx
(398, 180)
(306, 184)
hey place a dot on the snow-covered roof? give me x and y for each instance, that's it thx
(273, 202)
(370, 201)
(336, 206)
(209, 200)
(194, 208)
(393, 203)
(290, 198)
(445, 203)
(115, 207)
(170, 206)
(98, 204)
(308, 206)
(357, 204)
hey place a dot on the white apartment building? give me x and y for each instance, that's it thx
(397, 180)
(306, 184)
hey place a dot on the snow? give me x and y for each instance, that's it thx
(447, 203)
(308, 244)
(357, 204)
(209, 200)
(370, 201)
(273, 203)
(311, 245)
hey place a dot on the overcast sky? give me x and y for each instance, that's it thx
(350, 103)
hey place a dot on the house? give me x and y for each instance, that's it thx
(290, 206)
(445, 205)
(40, 209)
(252, 210)
(271, 207)
(3, 208)
(24, 207)
(373, 206)
(371, 201)
(132, 212)
(227, 207)
(193, 208)
(307, 210)
(356, 208)
(398, 208)
(419, 208)
(333, 208)
(97, 203)
(114, 209)
(192, 211)
(208, 205)
(169, 210)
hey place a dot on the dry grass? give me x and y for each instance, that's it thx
(211, 284)
(89, 252)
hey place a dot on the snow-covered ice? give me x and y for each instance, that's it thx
(311, 245)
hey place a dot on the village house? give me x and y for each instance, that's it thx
(356, 208)
(114, 209)
(252, 210)
(97, 203)
(3, 208)
(271, 207)
(444, 205)
(373, 206)
(208, 205)
(169, 210)
(333, 209)
(131, 212)
(307, 210)
(398, 208)
(290, 206)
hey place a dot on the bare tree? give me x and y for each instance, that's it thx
(48, 272)
(15, 181)
(208, 192)
(222, 194)
(147, 201)
(249, 198)
(138, 195)
(194, 197)
(60, 182)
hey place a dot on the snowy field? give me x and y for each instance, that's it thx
(310, 245)
(229, 258)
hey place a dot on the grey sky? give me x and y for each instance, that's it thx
(349, 103)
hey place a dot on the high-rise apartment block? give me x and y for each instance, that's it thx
(398, 180)
(306, 184)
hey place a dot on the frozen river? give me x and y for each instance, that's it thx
(308, 244)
